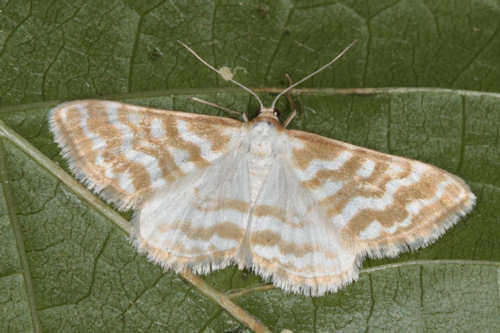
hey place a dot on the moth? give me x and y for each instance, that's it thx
(299, 209)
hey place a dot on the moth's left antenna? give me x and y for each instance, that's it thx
(224, 76)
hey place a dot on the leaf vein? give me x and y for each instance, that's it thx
(18, 234)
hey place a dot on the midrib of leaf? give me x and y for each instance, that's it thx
(220, 298)
(430, 262)
(26, 271)
(269, 90)
(265, 287)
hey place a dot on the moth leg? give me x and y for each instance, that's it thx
(292, 104)
(223, 108)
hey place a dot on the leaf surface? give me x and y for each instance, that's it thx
(66, 265)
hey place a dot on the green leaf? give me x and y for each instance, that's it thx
(66, 263)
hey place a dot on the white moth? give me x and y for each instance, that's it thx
(296, 208)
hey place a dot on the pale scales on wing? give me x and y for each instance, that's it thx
(298, 209)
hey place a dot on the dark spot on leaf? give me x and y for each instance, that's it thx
(262, 10)
(155, 54)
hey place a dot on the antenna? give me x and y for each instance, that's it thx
(224, 75)
(313, 73)
(202, 101)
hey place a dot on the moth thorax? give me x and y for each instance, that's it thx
(262, 137)
(261, 148)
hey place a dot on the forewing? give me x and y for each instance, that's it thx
(129, 152)
(200, 221)
(290, 240)
(384, 203)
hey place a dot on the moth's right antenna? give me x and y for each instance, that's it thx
(313, 73)
(224, 75)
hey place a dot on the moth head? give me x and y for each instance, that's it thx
(269, 113)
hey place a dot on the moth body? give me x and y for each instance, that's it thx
(263, 139)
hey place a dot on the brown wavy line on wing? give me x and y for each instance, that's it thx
(181, 249)
(211, 205)
(304, 156)
(436, 213)
(320, 148)
(271, 238)
(170, 170)
(83, 154)
(175, 140)
(165, 160)
(373, 186)
(211, 132)
(421, 228)
(192, 255)
(425, 188)
(278, 213)
(226, 230)
(274, 265)
(99, 123)
(337, 202)
(345, 172)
